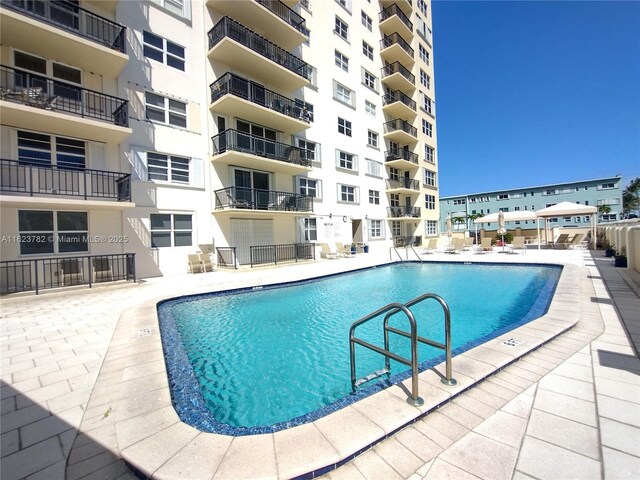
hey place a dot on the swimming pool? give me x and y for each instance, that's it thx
(240, 367)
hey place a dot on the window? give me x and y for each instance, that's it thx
(431, 227)
(459, 201)
(45, 150)
(44, 231)
(427, 104)
(422, 5)
(367, 50)
(429, 154)
(427, 128)
(344, 127)
(425, 79)
(366, 21)
(370, 108)
(394, 200)
(429, 178)
(396, 228)
(312, 149)
(430, 202)
(424, 54)
(171, 230)
(376, 229)
(346, 160)
(310, 186)
(168, 168)
(177, 7)
(341, 29)
(310, 229)
(374, 197)
(369, 80)
(503, 196)
(343, 94)
(163, 51)
(347, 193)
(165, 110)
(342, 61)
(49, 68)
(578, 219)
(605, 186)
(374, 168)
(372, 139)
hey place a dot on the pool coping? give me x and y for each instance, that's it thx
(154, 442)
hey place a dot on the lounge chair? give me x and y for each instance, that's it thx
(518, 243)
(327, 252)
(576, 241)
(456, 246)
(561, 242)
(344, 251)
(102, 271)
(195, 264)
(207, 264)
(468, 244)
(431, 246)
(485, 245)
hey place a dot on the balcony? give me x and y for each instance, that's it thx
(405, 6)
(241, 49)
(400, 131)
(401, 158)
(395, 48)
(237, 200)
(399, 213)
(397, 104)
(250, 151)
(269, 18)
(27, 184)
(397, 77)
(393, 19)
(238, 97)
(65, 32)
(40, 103)
(403, 185)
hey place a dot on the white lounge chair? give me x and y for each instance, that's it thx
(327, 252)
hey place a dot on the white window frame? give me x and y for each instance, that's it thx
(424, 53)
(367, 50)
(376, 229)
(172, 230)
(370, 108)
(427, 128)
(374, 197)
(345, 191)
(373, 139)
(345, 127)
(429, 154)
(374, 168)
(366, 20)
(429, 202)
(344, 159)
(430, 228)
(341, 28)
(430, 178)
(303, 187)
(52, 237)
(309, 230)
(369, 80)
(166, 110)
(341, 61)
(168, 58)
(174, 168)
(344, 94)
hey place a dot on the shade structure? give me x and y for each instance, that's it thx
(567, 209)
(515, 216)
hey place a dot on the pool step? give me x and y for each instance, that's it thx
(371, 376)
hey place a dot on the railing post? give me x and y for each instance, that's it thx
(84, 179)
(31, 180)
(36, 279)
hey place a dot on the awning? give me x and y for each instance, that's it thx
(515, 216)
(566, 209)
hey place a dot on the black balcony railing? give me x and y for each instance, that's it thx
(396, 39)
(392, 10)
(407, 241)
(34, 90)
(407, 183)
(401, 154)
(227, 257)
(245, 142)
(397, 67)
(285, 13)
(403, 212)
(71, 18)
(398, 96)
(275, 254)
(35, 180)
(230, 84)
(257, 199)
(399, 124)
(228, 27)
(54, 272)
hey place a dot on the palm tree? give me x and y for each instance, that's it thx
(603, 210)
(631, 197)
(459, 220)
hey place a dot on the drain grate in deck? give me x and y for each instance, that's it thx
(144, 332)
(512, 342)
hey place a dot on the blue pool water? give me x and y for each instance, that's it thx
(255, 361)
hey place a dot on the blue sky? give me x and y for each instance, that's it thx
(532, 93)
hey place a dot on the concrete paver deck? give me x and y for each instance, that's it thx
(574, 402)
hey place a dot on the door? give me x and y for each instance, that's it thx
(261, 189)
(222, 135)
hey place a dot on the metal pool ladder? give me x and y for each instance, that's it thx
(390, 310)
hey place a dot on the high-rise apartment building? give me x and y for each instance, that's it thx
(137, 133)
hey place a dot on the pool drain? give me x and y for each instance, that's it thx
(512, 342)
(144, 332)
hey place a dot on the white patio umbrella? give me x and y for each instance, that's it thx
(501, 228)
(449, 228)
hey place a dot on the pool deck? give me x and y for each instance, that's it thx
(84, 387)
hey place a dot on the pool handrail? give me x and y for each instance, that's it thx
(390, 310)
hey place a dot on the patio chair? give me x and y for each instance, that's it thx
(485, 245)
(561, 241)
(102, 271)
(468, 244)
(327, 252)
(205, 260)
(456, 246)
(518, 243)
(344, 251)
(577, 240)
(71, 272)
(430, 246)
(195, 264)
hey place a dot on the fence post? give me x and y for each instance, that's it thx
(36, 270)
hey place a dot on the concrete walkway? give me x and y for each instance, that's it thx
(568, 410)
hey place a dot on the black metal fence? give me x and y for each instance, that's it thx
(42, 273)
(401, 154)
(400, 212)
(228, 27)
(247, 143)
(227, 257)
(402, 182)
(397, 67)
(399, 124)
(285, 13)
(275, 254)
(257, 94)
(24, 179)
(70, 17)
(395, 10)
(34, 90)
(395, 39)
(256, 199)
(398, 96)
(407, 241)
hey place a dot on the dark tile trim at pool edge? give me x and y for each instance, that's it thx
(191, 407)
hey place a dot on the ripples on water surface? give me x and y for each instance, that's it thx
(271, 355)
